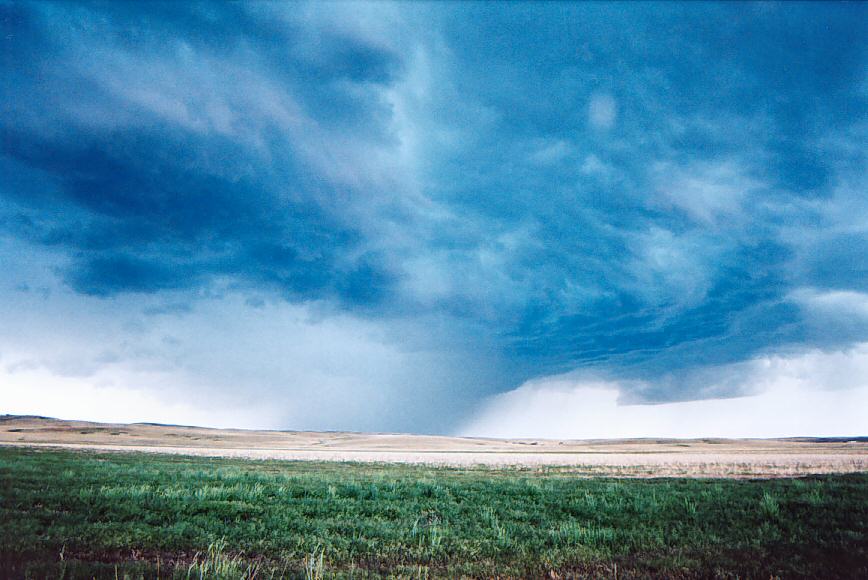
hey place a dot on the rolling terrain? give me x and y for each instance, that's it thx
(628, 457)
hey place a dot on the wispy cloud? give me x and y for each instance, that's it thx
(602, 111)
(706, 191)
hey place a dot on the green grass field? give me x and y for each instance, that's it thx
(77, 515)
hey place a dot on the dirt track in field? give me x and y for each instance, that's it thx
(629, 458)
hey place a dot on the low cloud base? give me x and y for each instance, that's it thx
(796, 396)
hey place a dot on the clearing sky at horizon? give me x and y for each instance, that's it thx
(560, 220)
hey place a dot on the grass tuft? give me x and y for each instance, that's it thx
(770, 505)
(216, 564)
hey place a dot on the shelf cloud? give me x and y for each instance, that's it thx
(812, 394)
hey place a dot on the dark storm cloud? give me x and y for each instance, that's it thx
(150, 202)
(639, 188)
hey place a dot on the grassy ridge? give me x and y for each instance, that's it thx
(84, 515)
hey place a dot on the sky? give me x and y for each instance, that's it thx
(589, 220)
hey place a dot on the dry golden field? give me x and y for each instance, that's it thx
(629, 458)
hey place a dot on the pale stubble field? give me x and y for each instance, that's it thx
(623, 458)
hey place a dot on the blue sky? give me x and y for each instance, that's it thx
(380, 216)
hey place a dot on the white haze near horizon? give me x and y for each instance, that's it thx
(809, 395)
(812, 394)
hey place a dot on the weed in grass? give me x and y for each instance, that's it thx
(689, 506)
(769, 505)
(216, 564)
(428, 530)
(314, 564)
(815, 497)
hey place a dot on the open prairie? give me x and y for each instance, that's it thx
(623, 458)
(85, 500)
(72, 514)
